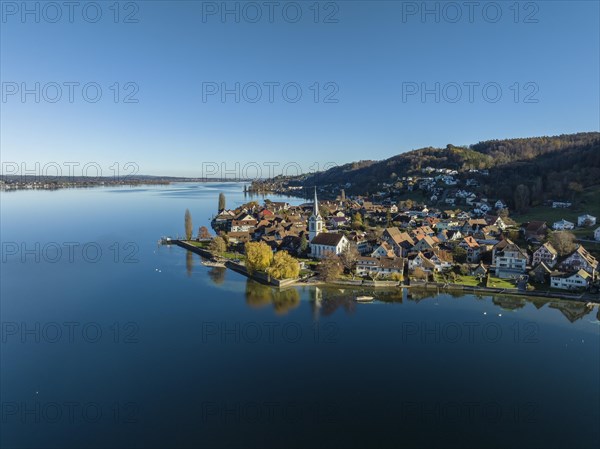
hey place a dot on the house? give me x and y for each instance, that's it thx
(597, 235)
(536, 230)
(479, 270)
(580, 259)
(222, 222)
(500, 205)
(424, 242)
(571, 281)
(470, 245)
(420, 261)
(586, 220)
(247, 223)
(545, 253)
(336, 222)
(375, 266)
(383, 250)
(563, 225)
(238, 237)
(541, 273)
(497, 221)
(278, 206)
(328, 242)
(443, 260)
(509, 260)
(401, 242)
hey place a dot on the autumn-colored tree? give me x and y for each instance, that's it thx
(357, 221)
(397, 277)
(203, 233)
(419, 273)
(330, 267)
(563, 242)
(284, 266)
(258, 256)
(218, 245)
(188, 225)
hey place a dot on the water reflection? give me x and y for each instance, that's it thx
(189, 262)
(217, 275)
(282, 300)
(326, 301)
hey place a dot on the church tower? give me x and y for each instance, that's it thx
(315, 222)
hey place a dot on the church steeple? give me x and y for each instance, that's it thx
(316, 205)
(315, 222)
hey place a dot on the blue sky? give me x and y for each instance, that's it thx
(371, 54)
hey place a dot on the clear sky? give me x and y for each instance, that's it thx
(374, 58)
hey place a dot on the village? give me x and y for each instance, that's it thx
(352, 238)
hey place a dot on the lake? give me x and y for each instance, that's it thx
(110, 340)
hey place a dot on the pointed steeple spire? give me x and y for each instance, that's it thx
(316, 205)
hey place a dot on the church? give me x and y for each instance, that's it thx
(321, 241)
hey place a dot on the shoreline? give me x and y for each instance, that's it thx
(390, 285)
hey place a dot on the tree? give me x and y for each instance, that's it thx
(203, 233)
(330, 267)
(258, 256)
(563, 242)
(357, 221)
(522, 198)
(349, 256)
(284, 266)
(188, 225)
(303, 244)
(460, 254)
(419, 273)
(221, 201)
(218, 245)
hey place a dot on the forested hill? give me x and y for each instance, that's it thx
(548, 166)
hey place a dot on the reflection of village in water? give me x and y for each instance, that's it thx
(326, 301)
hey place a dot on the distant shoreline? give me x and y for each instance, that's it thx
(14, 183)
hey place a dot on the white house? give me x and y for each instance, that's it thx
(500, 205)
(563, 225)
(586, 220)
(547, 254)
(580, 259)
(509, 260)
(571, 281)
(328, 242)
(383, 250)
(384, 266)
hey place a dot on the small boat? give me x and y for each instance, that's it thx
(364, 298)
(210, 263)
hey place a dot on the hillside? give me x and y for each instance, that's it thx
(557, 167)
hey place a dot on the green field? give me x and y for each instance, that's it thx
(589, 204)
(494, 282)
(470, 281)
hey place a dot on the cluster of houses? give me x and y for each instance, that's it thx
(583, 221)
(404, 241)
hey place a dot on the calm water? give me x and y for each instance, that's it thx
(120, 343)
